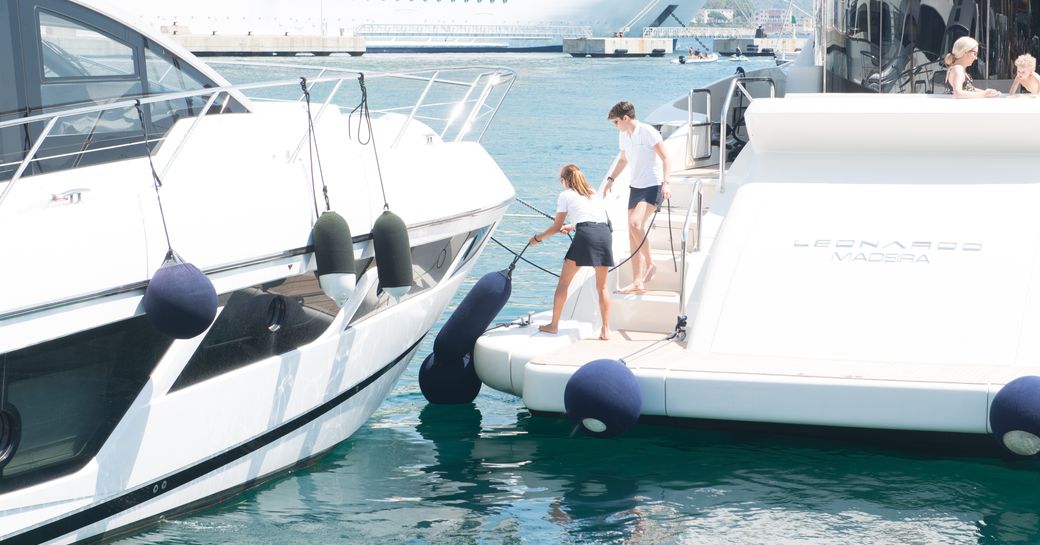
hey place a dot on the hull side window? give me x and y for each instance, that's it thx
(258, 323)
(64, 397)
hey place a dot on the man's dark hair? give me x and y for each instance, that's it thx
(621, 109)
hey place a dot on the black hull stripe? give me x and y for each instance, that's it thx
(133, 498)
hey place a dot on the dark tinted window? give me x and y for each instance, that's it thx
(73, 57)
(64, 397)
(275, 318)
(430, 262)
(897, 45)
(12, 95)
(74, 50)
(260, 322)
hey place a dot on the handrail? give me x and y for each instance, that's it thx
(689, 124)
(734, 84)
(492, 76)
(411, 115)
(699, 207)
(494, 111)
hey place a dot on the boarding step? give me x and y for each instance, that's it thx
(666, 230)
(651, 310)
(666, 277)
(684, 182)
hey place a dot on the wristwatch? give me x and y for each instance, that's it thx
(610, 178)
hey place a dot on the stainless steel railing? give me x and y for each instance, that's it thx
(697, 207)
(473, 107)
(735, 84)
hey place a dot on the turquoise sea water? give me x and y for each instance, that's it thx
(491, 473)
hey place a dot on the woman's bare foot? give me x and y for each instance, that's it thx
(650, 272)
(548, 328)
(604, 335)
(634, 287)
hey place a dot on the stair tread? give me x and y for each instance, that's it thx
(649, 294)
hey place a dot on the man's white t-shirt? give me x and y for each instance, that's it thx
(581, 209)
(643, 162)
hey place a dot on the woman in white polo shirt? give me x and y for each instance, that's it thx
(591, 247)
(643, 148)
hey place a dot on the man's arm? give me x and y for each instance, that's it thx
(622, 162)
(666, 169)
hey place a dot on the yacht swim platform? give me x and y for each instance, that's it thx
(937, 397)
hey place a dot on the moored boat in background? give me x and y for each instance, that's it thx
(686, 59)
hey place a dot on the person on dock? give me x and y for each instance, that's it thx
(641, 146)
(1025, 75)
(592, 245)
(964, 53)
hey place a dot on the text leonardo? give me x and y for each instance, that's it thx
(886, 251)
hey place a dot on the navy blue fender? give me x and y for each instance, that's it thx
(1014, 416)
(447, 375)
(473, 315)
(449, 380)
(603, 397)
(180, 301)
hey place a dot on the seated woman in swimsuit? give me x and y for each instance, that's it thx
(958, 82)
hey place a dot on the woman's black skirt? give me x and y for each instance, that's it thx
(592, 246)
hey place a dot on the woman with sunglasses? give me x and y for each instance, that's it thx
(591, 247)
(958, 82)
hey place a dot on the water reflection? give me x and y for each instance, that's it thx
(491, 473)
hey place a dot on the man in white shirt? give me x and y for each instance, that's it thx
(643, 148)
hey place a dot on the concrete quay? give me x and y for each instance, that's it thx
(617, 47)
(257, 45)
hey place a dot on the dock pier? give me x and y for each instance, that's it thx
(617, 47)
(250, 44)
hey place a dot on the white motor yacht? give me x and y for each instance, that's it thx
(119, 150)
(828, 261)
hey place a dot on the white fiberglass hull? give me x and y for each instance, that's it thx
(826, 295)
(210, 442)
(112, 414)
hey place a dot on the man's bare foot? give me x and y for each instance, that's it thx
(547, 329)
(632, 288)
(604, 335)
(650, 272)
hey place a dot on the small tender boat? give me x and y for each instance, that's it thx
(799, 285)
(209, 283)
(737, 58)
(683, 59)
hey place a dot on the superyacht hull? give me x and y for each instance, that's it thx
(444, 26)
